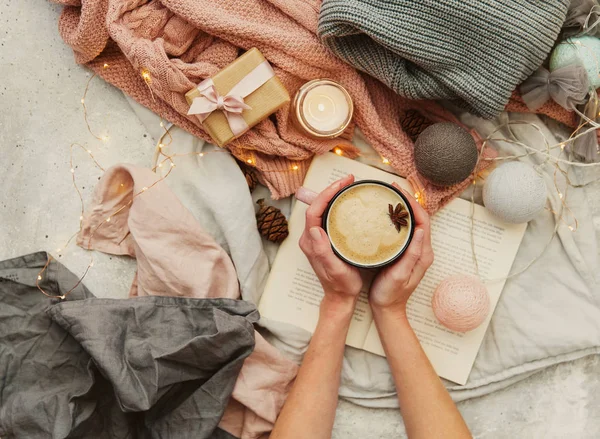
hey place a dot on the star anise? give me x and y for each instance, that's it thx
(398, 216)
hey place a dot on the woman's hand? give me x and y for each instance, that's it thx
(339, 280)
(393, 286)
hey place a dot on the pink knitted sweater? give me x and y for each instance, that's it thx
(182, 42)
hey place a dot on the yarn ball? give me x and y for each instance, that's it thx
(461, 303)
(445, 154)
(584, 50)
(515, 193)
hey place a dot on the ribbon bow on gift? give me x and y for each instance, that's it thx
(232, 104)
(214, 101)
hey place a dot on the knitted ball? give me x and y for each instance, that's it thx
(445, 154)
(461, 303)
(514, 192)
(584, 50)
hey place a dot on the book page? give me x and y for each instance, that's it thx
(293, 292)
(452, 354)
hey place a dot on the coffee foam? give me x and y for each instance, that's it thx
(360, 228)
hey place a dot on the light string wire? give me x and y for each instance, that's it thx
(549, 159)
(147, 79)
(161, 157)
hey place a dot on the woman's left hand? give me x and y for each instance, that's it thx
(339, 280)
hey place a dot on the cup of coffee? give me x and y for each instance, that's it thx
(369, 223)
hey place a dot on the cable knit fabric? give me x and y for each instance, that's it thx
(474, 52)
(181, 42)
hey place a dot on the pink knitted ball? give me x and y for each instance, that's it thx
(461, 303)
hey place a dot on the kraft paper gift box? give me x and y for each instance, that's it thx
(247, 89)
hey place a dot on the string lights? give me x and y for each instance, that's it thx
(163, 158)
(556, 161)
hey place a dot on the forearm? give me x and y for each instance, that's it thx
(427, 409)
(310, 408)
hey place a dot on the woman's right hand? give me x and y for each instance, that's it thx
(394, 284)
(339, 279)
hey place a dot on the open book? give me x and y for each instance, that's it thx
(293, 292)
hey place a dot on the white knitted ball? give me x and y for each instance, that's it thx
(461, 303)
(514, 192)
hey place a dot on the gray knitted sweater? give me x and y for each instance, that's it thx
(474, 52)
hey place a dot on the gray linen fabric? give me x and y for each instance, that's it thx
(474, 52)
(114, 368)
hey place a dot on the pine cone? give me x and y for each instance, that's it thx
(413, 123)
(250, 175)
(271, 222)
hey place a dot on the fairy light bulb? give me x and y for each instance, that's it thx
(201, 154)
(39, 277)
(108, 219)
(105, 66)
(161, 145)
(83, 101)
(72, 171)
(146, 76)
(338, 151)
(385, 161)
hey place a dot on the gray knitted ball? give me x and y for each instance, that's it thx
(445, 154)
(515, 193)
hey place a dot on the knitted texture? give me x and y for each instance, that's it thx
(515, 193)
(461, 303)
(445, 154)
(474, 52)
(181, 42)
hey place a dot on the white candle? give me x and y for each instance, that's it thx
(323, 108)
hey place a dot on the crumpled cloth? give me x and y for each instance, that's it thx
(179, 43)
(105, 368)
(176, 257)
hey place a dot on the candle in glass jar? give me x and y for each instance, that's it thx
(323, 108)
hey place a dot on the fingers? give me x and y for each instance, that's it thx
(320, 253)
(422, 221)
(305, 195)
(314, 213)
(420, 214)
(402, 270)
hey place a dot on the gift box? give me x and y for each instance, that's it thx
(237, 98)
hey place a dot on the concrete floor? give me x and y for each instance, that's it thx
(41, 115)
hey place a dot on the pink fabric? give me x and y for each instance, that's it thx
(182, 42)
(550, 109)
(175, 256)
